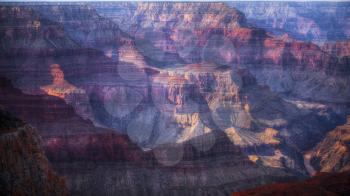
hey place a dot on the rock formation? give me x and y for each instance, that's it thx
(316, 22)
(24, 167)
(288, 66)
(340, 48)
(109, 162)
(332, 153)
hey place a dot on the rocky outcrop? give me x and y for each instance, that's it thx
(24, 167)
(332, 153)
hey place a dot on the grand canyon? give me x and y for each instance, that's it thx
(174, 98)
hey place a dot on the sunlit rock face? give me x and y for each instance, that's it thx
(332, 153)
(59, 87)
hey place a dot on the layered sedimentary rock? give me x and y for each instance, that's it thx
(84, 25)
(66, 136)
(24, 167)
(100, 88)
(317, 22)
(35, 68)
(322, 184)
(286, 65)
(51, 115)
(25, 28)
(332, 153)
(172, 169)
(182, 28)
(106, 159)
(340, 48)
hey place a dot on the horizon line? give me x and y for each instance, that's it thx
(58, 1)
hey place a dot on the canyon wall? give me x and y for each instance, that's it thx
(24, 168)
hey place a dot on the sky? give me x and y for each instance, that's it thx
(166, 0)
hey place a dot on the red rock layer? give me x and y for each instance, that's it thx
(92, 147)
(340, 48)
(322, 184)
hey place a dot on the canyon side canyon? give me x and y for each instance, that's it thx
(165, 98)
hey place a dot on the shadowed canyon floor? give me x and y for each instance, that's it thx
(321, 184)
